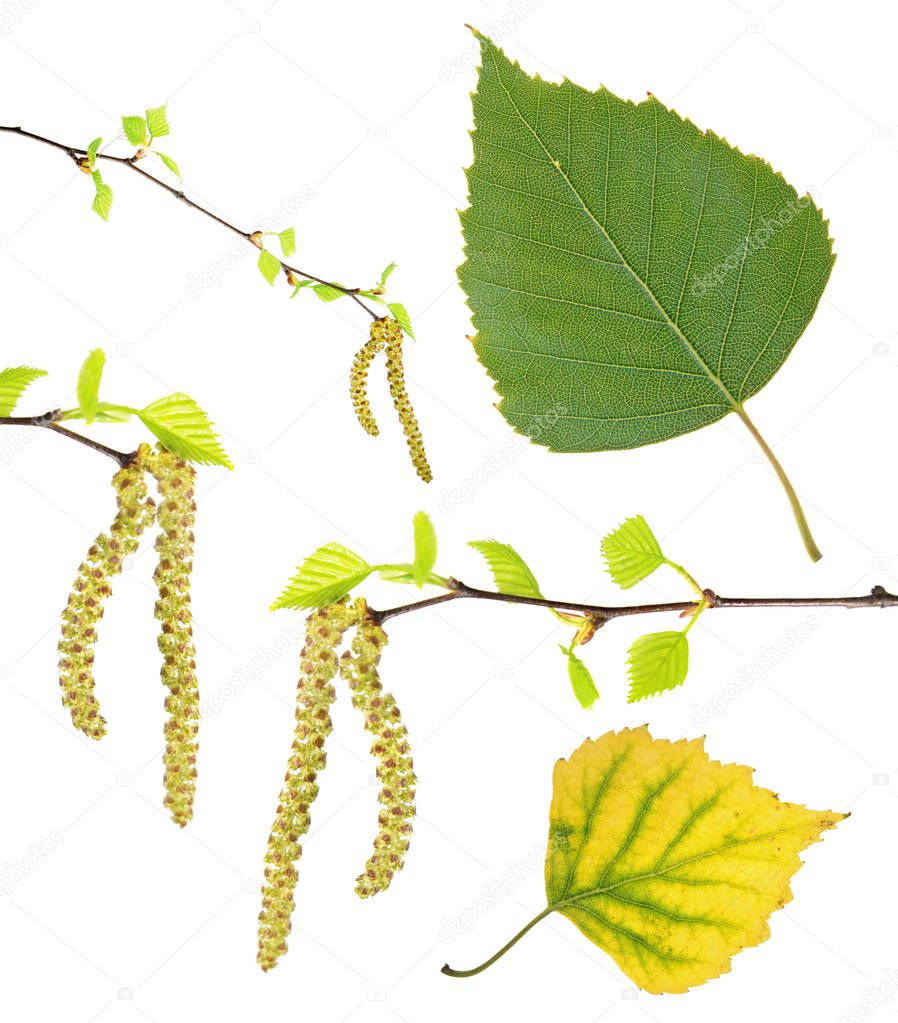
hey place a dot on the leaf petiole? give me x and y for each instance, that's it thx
(450, 972)
(803, 528)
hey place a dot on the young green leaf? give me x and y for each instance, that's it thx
(508, 567)
(325, 577)
(169, 162)
(632, 552)
(288, 242)
(326, 293)
(92, 151)
(13, 383)
(425, 548)
(657, 662)
(384, 277)
(184, 428)
(581, 678)
(300, 285)
(102, 204)
(400, 314)
(88, 388)
(157, 122)
(631, 278)
(269, 266)
(135, 129)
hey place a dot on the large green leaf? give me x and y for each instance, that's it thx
(325, 577)
(185, 429)
(631, 278)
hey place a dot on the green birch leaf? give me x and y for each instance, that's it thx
(400, 314)
(135, 129)
(657, 662)
(269, 266)
(185, 429)
(631, 277)
(632, 552)
(169, 162)
(425, 548)
(288, 241)
(325, 577)
(93, 149)
(385, 276)
(581, 679)
(509, 569)
(88, 387)
(157, 122)
(326, 293)
(102, 204)
(13, 382)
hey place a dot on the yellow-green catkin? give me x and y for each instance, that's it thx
(395, 770)
(315, 694)
(390, 332)
(174, 545)
(358, 379)
(104, 560)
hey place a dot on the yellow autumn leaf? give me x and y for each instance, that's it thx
(668, 861)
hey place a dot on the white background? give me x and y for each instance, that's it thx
(365, 108)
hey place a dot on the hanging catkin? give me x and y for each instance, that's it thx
(93, 584)
(391, 332)
(395, 771)
(174, 545)
(315, 694)
(358, 379)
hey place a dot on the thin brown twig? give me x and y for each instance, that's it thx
(877, 597)
(79, 155)
(50, 421)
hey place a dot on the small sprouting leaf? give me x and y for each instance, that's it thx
(169, 162)
(400, 314)
(581, 679)
(669, 861)
(88, 388)
(425, 548)
(102, 204)
(269, 266)
(299, 286)
(325, 577)
(157, 122)
(632, 552)
(657, 662)
(92, 151)
(135, 129)
(288, 242)
(384, 277)
(327, 293)
(13, 382)
(184, 428)
(508, 567)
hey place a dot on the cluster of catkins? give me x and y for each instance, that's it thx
(325, 631)
(387, 334)
(174, 515)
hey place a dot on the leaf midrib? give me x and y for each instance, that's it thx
(647, 291)
(651, 874)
